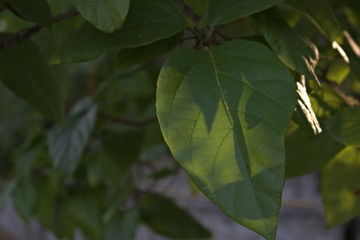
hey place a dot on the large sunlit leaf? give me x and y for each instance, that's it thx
(345, 127)
(147, 22)
(220, 11)
(340, 187)
(25, 72)
(322, 16)
(305, 152)
(66, 144)
(107, 16)
(296, 52)
(37, 11)
(163, 216)
(224, 112)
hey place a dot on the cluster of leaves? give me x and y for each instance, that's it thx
(252, 92)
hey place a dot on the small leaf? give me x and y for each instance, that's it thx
(306, 152)
(37, 11)
(66, 145)
(340, 183)
(146, 23)
(128, 57)
(122, 226)
(24, 71)
(107, 16)
(164, 217)
(296, 52)
(24, 197)
(345, 127)
(322, 16)
(220, 12)
(224, 112)
(338, 71)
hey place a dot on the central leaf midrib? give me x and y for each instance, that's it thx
(228, 114)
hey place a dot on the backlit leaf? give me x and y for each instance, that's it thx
(345, 127)
(224, 112)
(340, 187)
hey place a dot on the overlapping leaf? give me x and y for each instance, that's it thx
(107, 16)
(321, 14)
(66, 145)
(223, 112)
(30, 78)
(340, 186)
(220, 12)
(296, 52)
(147, 22)
(37, 11)
(345, 127)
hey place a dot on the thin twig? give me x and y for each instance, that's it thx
(29, 32)
(349, 100)
(129, 122)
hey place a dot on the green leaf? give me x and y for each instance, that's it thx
(107, 16)
(30, 78)
(345, 127)
(66, 145)
(24, 197)
(340, 187)
(224, 112)
(128, 57)
(338, 71)
(306, 152)
(122, 226)
(220, 12)
(121, 150)
(322, 16)
(164, 217)
(198, 6)
(37, 11)
(297, 53)
(84, 207)
(147, 22)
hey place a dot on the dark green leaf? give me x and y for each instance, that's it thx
(340, 187)
(147, 22)
(128, 57)
(66, 145)
(37, 11)
(107, 16)
(164, 217)
(220, 12)
(345, 127)
(84, 208)
(306, 152)
(322, 16)
(198, 6)
(30, 78)
(224, 112)
(122, 226)
(121, 149)
(296, 52)
(24, 197)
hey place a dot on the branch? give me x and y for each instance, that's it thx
(29, 32)
(129, 122)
